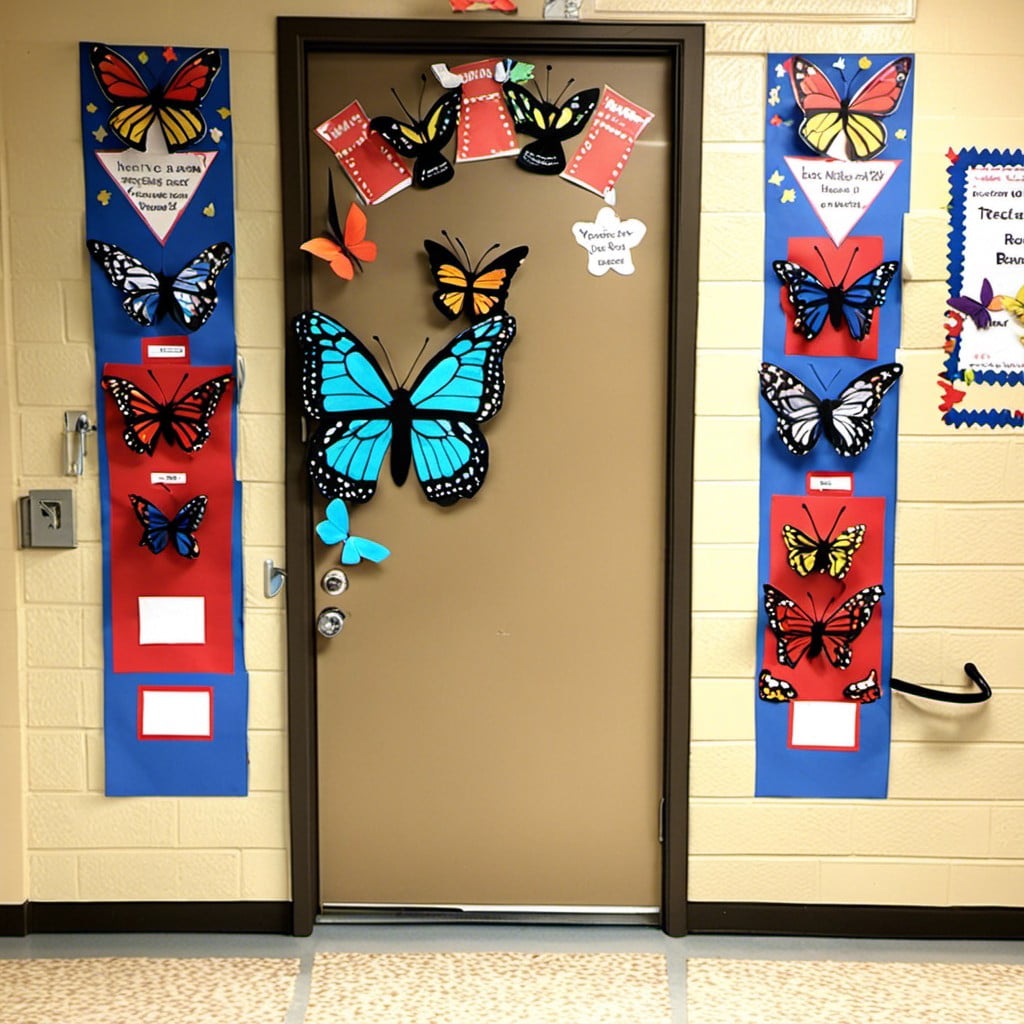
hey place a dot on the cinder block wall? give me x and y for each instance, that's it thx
(953, 829)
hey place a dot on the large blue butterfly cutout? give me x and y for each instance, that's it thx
(434, 424)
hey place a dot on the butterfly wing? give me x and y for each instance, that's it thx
(841, 549)
(846, 623)
(184, 525)
(193, 295)
(155, 525)
(358, 549)
(425, 139)
(452, 279)
(797, 408)
(849, 420)
(334, 529)
(878, 97)
(178, 102)
(792, 626)
(864, 296)
(343, 387)
(142, 413)
(821, 104)
(354, 240)
(808, 296)
(327, 249)
(490, 285)
(141, 287)
(186, 421)
(134, 108)
(551, 125)
(801, 550)
(461, 387)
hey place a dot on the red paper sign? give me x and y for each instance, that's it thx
(485, 125)
(372, 165)
(601, 156)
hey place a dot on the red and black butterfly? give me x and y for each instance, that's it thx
(175, 106)
(798, 634)
(181, 421)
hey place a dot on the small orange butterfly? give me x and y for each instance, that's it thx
(347, 250)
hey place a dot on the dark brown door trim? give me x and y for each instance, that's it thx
(683, 47)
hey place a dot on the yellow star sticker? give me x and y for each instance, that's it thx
(864, 63)
(969, 376)
(209, 210)
(773, 96)
(776, 178)
(216, 134)
(91, 107)
(100, 134)
(788, 196)
(225, 112)
(103, 196)
(901, 133)
(143, 57)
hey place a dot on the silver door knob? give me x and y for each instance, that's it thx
(334, 582)
(330, 622)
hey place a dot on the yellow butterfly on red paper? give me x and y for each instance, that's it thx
(831, 554)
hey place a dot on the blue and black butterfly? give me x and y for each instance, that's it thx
(815, 302)
(434, 424)
(188, 297)
(158, 530)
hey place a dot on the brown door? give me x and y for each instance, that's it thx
(490, 718)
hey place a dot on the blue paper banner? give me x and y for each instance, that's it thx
(837, 182)
(158, 155)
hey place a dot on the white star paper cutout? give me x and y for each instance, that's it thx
(609, 242)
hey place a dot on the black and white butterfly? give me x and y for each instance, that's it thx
(847, 421)
(188, 297)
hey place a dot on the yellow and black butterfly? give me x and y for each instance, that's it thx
(479, 293)
(831, 554)
(422, 139)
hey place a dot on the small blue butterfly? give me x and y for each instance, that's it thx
(434, 425)
(334, 530)
(158, 530)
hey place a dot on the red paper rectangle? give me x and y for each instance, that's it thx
(485, 125)
(134, 570)
(602, 154)
(372, 165)
(820, 595)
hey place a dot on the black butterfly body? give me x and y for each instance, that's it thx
(479, 293)
(188, 297)
(424, 139)
(816, 303)
(182, 422)
(159, 530)
(847, 421)
(549, 123)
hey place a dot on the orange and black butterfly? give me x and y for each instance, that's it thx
(174, 106)
(344, 249)
(184, 422)
(477, 292)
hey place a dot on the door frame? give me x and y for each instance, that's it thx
(683, 47)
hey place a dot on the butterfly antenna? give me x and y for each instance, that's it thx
(558, 98)
(827, 268)
(832, 528)
(405, 109)
(423, 89)
(484, 256)
(853, 256)
(332, 210)
(387, 359)
(547, 86)
(416, 360)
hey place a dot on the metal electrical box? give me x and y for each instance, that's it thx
(48, 519)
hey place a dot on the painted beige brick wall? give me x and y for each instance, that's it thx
(953, 831)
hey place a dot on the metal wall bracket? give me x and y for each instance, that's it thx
(77, 429)
(273, 578)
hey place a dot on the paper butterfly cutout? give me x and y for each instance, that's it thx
(815, 302)
(423, 139)
(183, 422)
(434, 424)
(839, 126)
(864, 691)
(158, 531)
(505, 6)
(188, 297)
(1014, 305)
(548, 123)
(773, 689)
(831, 554)
(477, 293)
(335, 530)
(347, 250)
(977, 309)
(175, 106)
(799, 634)
(846, 421)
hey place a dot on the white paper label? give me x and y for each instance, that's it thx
(166, 351)
(175, 714)
(820, 484)
(172, 620)
(824, 723)
(168, 478)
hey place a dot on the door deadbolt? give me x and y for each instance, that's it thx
(334, 582)
(330, 622)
